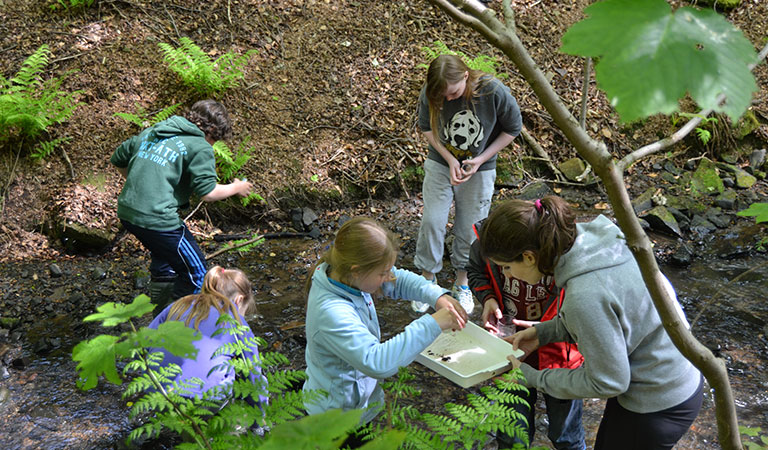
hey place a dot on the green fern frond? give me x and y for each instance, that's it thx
(28, 76)
(485, 63)
(704, 135)
(198, 71)
(273, 359)
(143, 119)
(28, 104)
(150, 429)
(284, 379)
(46, 148)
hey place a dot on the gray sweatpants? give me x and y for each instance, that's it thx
(473, 201)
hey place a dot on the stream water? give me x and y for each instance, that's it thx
(40, 407)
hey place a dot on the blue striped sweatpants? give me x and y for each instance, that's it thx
(175, 256)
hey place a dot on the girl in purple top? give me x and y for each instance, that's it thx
(225, 291)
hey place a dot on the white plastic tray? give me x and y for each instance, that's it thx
(469, 356)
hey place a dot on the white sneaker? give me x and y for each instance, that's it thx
(421, 307)
(464, 296)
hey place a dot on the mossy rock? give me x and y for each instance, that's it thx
(706, 180)
(686, 203)
(535, 190)
(509, 172)
(643, 201)
(662, 220)
(573, 168)
(9, 323)
(746, 125)
(744, 180)
(82, 237)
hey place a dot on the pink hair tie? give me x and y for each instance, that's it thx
(537, 203)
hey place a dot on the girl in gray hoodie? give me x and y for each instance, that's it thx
(653, 392)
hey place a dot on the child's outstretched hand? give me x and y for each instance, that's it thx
(491, 315)
(449, 313)
(242, 187)
(526, 340)
(448, 318)
(446, 301)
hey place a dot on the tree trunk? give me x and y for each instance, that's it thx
(505, 38)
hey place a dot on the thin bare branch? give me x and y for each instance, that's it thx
(668, 141)
(509, 16)
(585, 92)
(539, 150)
(461, 16)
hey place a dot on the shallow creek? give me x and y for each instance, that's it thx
(41, 408)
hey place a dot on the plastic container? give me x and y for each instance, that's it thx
(469, 356)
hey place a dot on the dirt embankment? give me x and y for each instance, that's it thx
(327, 105)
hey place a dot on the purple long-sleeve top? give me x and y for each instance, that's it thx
(207, 345)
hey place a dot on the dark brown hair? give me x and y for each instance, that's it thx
(445, 70)
(212, 119)
(220, 287)
(545, 227)
(361, 242)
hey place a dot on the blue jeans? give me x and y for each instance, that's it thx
(175, 257)
(472, 201)
(565, 430)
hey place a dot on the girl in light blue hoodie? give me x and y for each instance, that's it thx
(345, 356)
(653, 392)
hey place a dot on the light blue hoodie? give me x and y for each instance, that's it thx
(345, 356)
(608, 311)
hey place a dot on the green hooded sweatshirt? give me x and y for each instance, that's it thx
(166, 163)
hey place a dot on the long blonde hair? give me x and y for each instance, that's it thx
(445, 70)
(360, 242)
(220, 288)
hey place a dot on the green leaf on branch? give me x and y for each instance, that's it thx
(315, 431)
(96, 357)
(173, 335)
(650, 57)
(758, 210)
(111, 314)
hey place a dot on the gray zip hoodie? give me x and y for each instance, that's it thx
(608, 311)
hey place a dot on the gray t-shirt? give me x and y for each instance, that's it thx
(466, 130)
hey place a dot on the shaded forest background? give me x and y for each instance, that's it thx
(328, 105)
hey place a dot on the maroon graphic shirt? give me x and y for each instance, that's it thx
(525, 301)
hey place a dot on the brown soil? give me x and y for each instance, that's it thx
(328, 103)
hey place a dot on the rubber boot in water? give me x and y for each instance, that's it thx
(161, 294)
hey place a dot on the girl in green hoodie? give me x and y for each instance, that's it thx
(163, 166)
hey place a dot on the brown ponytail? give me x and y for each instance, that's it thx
(545, 227)
(220, 287)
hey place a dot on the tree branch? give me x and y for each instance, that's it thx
(509, 16)
(585, 92)
(539, 150)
